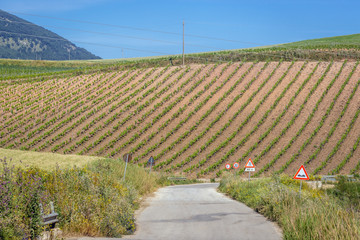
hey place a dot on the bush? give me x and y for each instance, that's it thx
(314, 215)
(93, 200)
(348, 192)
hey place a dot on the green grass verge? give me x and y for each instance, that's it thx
(316, 215)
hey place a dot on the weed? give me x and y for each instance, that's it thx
(314, 215)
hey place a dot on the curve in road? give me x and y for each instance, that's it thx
(198, 211)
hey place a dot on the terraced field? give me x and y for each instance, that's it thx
(194, 119)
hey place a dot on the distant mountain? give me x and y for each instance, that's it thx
(20, 39)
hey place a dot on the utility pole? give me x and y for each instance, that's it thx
(69, 53)
(122, 53)
(183, 53)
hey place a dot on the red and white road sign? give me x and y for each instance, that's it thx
(227, 166)
(249, 164)
(301, 174)
(236, 165)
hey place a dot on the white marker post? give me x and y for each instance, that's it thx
(126, 157)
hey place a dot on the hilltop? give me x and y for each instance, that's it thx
(20, 39)
(338, 42)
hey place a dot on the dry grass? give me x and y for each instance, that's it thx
(44, 160)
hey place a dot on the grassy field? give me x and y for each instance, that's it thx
(45, 161)
(338, 42)
(325, 49)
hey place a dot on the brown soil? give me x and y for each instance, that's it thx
(23, 109)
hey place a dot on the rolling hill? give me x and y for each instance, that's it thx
(338, 42)
(20, 39)
(196, 118)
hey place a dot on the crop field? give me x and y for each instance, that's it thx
(194, 119)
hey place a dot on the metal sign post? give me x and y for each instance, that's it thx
(301, 175)
(236, 165)
(126, 157)
(249, 170)
(151, 161)
(227, 166)
(249, 167)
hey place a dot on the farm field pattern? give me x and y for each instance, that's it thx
(196, 118)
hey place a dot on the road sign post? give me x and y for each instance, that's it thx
(227, 166)
(301, 174)
(249, 167)
(126, 157)
(151, 161)
(236, 165)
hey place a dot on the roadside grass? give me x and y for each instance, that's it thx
(317, 214)
(92, 199)
(89, 193)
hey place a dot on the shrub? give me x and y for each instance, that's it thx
(347, 192)
(93, 200)
(315, 215)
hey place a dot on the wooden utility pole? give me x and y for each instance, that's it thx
(183, 54)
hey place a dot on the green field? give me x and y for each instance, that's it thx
(330, 48)
(338, 42)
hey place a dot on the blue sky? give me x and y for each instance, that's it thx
(138, 28)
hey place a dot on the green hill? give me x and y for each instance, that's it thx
(338, 42)
(20, 39)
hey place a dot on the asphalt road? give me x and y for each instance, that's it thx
(199, 212)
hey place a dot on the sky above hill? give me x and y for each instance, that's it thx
(138, 28)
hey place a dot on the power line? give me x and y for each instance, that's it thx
(155, 52)
(137, 28)
(115, 35)
(133, 49)
(89, 43)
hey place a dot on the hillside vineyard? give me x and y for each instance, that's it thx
(195, 119)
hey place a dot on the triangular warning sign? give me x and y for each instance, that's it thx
(301, 174)
(250, 164)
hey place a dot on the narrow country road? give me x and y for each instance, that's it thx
(199, 212)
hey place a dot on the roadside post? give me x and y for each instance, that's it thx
(227, 166)
(301, 174)
(151, 161)
(249, 167)
(126, 157)
(236, 165)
